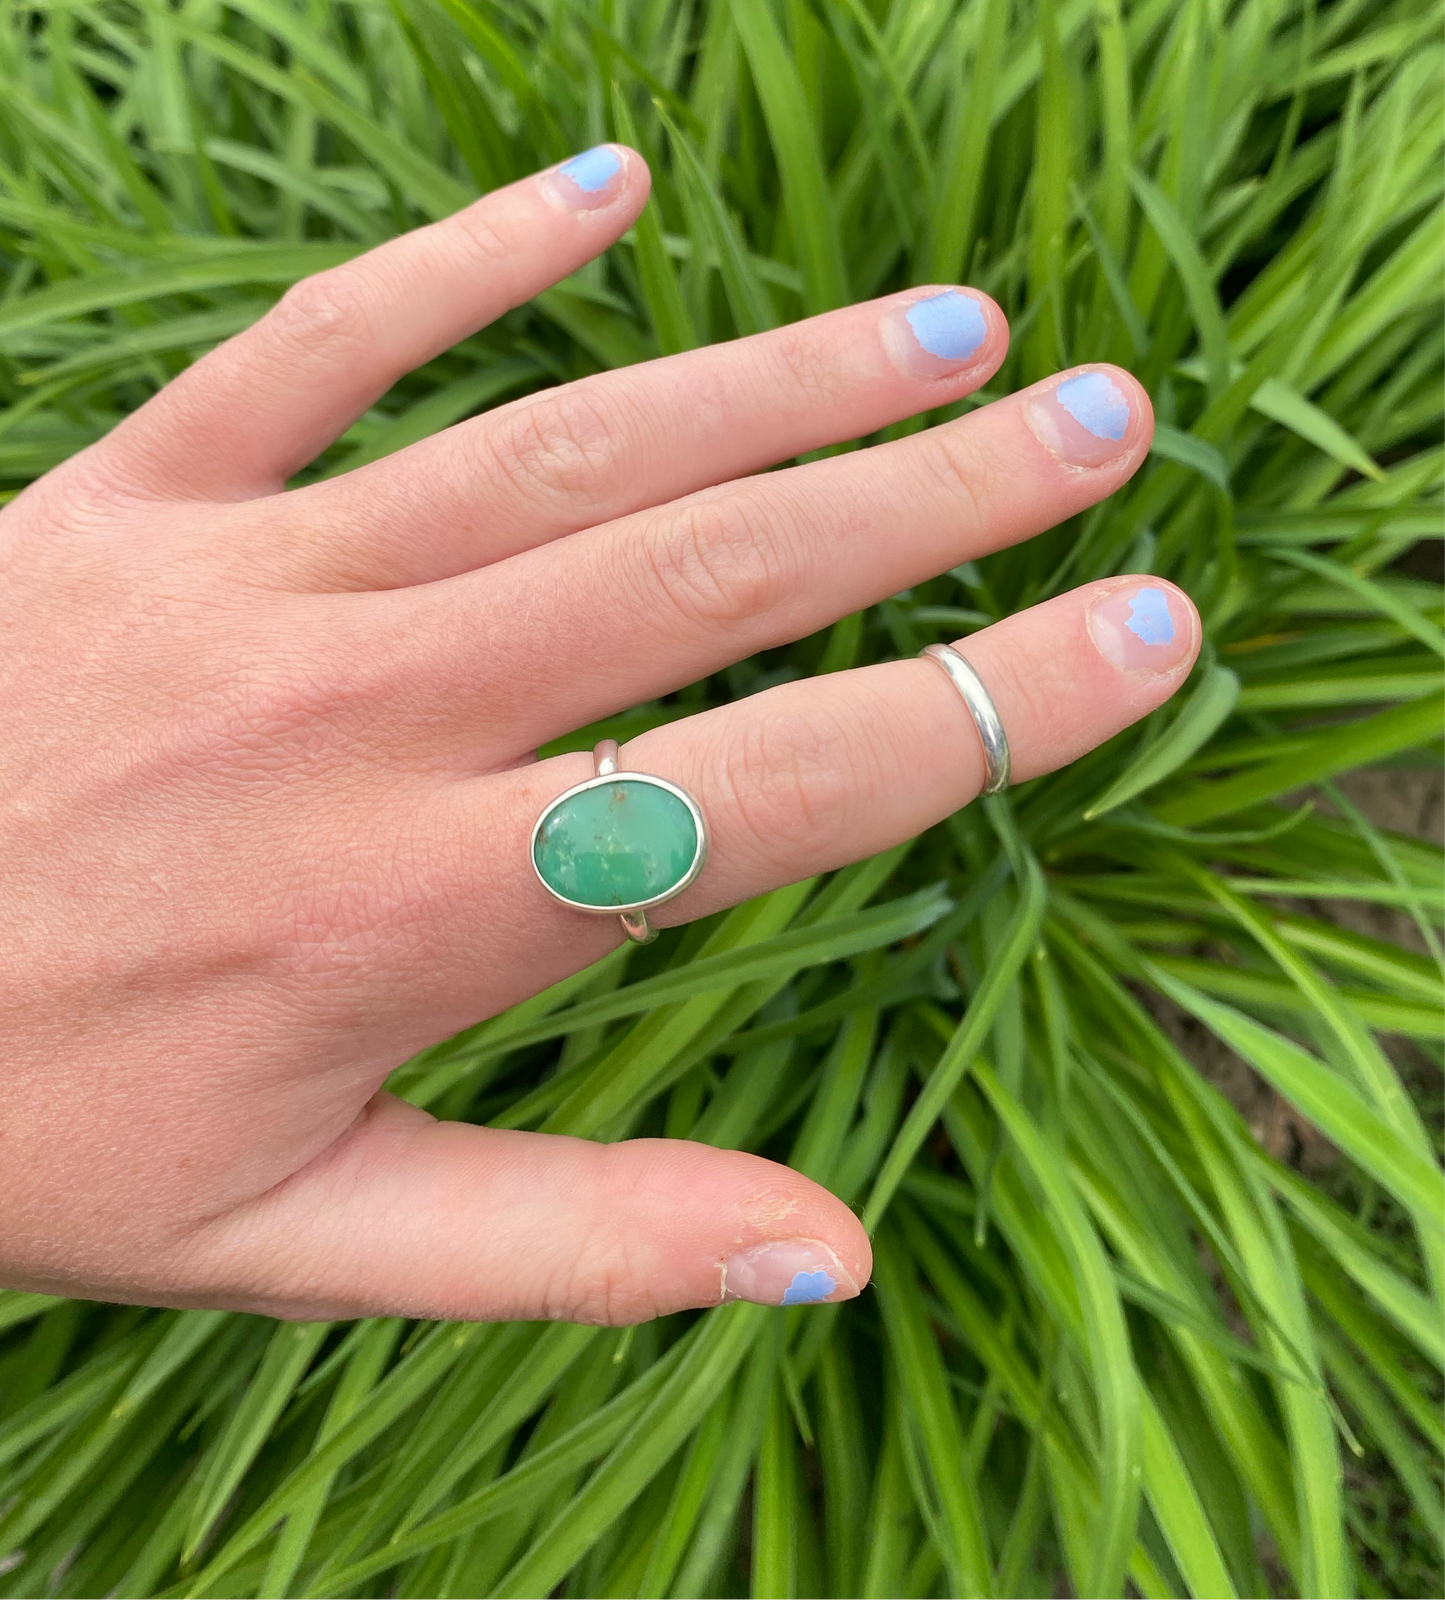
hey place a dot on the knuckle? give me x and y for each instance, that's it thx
(361, 890)
(959, 468)
(83, 511)
(321, 314)
(603, 1276)
(269, 708)
(87, 493)
(1028, 697)
(344, 918)
(719, 561)
(265, 713)
(481, 234)
(562, 445)
(790, 780)
(604, 1293)
(807, 365)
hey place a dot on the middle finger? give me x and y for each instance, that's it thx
(568, 458)
(625, 612)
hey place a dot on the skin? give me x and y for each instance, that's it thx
(268, 772)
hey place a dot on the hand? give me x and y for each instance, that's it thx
(267, 780)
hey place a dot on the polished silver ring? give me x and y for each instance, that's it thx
(983, 711)
(619, 844)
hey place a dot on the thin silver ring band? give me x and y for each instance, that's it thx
(634, 923)
(983, 711)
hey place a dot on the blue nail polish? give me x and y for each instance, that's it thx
(950, 325)
(593, 169)
(1095, 402)
(1149, 618)
(808, 1288)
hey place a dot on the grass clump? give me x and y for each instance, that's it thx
(1115, 1340)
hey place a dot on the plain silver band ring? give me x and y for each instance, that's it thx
(634, 923)
(983, 711)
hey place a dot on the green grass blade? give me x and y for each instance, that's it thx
(807, 192)
(1205, 711)
(1003, 971)
(287, 1356)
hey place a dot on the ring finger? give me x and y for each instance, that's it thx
(809, 776)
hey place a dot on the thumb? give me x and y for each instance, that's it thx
(414, 1217)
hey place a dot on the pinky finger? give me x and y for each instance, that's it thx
(257, 408)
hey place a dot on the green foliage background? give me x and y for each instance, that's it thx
(1110, 1335)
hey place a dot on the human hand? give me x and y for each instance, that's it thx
(267, 779)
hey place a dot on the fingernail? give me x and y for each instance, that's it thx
(1082, 420)
(1143, 627)
(937, 335)
(786, 1272)
(586, 181)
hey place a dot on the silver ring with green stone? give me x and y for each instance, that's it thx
(619, 844)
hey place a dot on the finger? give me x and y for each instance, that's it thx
(413, 1217)
(640, 607)
(794, 781)
(256, 409)
(816, 774)
(568, 458)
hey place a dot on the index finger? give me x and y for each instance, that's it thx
(259, 407)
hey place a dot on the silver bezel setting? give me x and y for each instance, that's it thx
(699, 859)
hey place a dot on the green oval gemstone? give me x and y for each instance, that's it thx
(623, 842)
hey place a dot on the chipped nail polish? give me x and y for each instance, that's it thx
(1081, 420)
(937, 335)
(586, 181)
(786, 1272)
(1143, 627)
